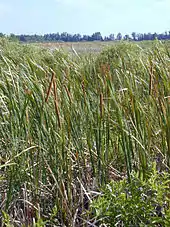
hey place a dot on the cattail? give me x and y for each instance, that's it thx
(101, 105)
(50, 87)
(56, 103)
(68, 93)
(151, 80)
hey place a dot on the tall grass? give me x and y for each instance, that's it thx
(69, 125)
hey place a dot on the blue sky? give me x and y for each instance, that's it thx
(84, 16)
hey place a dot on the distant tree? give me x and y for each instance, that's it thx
(76, 38)
(85, 38)
(119, 36)
(148, 36)
(1, 35)
(134, 36)
(140, 37)
(13, 37)
(106, 38)
(66, 37)
(97, 36)
(126, 37)
(169, 35)
(22, 38)
(111, 37)
(155, 36)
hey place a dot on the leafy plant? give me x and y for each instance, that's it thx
(139, 203)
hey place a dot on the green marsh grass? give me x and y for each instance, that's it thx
(69, 125)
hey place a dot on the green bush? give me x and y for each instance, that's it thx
(138, 203)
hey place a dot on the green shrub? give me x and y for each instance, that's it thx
(139, 203)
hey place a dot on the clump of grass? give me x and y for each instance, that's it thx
(70, 125)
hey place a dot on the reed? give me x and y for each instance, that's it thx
(69, 125)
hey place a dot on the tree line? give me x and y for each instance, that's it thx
(66, 37)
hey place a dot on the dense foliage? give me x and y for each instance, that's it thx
(71, 124)
(138, 203)
(66, 37)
